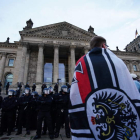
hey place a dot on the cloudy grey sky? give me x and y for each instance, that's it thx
(116, 20)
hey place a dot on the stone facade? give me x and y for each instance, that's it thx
(55, 43)
(133, 46)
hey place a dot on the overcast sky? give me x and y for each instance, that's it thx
(116, 20)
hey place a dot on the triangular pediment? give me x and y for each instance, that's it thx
(59, 30)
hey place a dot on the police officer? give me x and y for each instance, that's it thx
(27, 85)
(8, 106)
(62, 101)
(18, 92)
(1, 99)
(53, 113)
(56, 88)
(43, 86)
(44, 107)
(24, 104)
(19, 86)
(54, 108)
(33, 87)
(34, 110)
(15, 96)
(0, 87)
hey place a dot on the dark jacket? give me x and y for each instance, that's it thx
(27, 86)
(8, 104)
(24, 102)
(33, 87)
(45, 103)
(7, 86)
(62, 101)
(43, 86)
(1, 99)
(20, 86)
(34, 103)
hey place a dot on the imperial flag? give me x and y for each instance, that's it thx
(104, 101)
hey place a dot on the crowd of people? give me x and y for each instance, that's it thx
(48, 111)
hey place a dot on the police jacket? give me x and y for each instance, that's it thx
(33, 87)
(16, 100)
(45, 103)
(1, 99)
(24, 102)
(34, 103)
(62, 101)
(8, 104)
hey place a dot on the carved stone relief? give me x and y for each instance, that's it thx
(32, 68)
(64, 31)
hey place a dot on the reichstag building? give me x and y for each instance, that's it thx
(47, 54)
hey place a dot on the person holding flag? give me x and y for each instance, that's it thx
(104, 101)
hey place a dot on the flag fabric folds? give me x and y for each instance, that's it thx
(104, 100)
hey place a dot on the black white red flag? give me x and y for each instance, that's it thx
(104, 101)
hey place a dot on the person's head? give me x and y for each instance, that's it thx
(34, 94)
(134, 76)
(10, 93)
(64, 89)
(46, 91)
(51, 90)
(27, 91)
(98, 41)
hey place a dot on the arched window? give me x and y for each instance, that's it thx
(9, 78)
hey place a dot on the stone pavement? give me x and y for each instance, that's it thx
(30, 137)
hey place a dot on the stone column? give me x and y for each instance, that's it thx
(39, 73)
(139, 65)
(86, 49)
(2, 65)
(17, 65)
(26, 66)
(69, 68)
(23, 61)
(72, 52)
(39, 77)
(131, 68)
(56, 64)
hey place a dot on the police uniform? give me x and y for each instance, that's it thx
(62, 101)
(8, 109)
(44, 108)
(24, 104)
(34, 111)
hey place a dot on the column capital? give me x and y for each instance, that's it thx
(41, 45)
(56, 46)
(23, 44)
